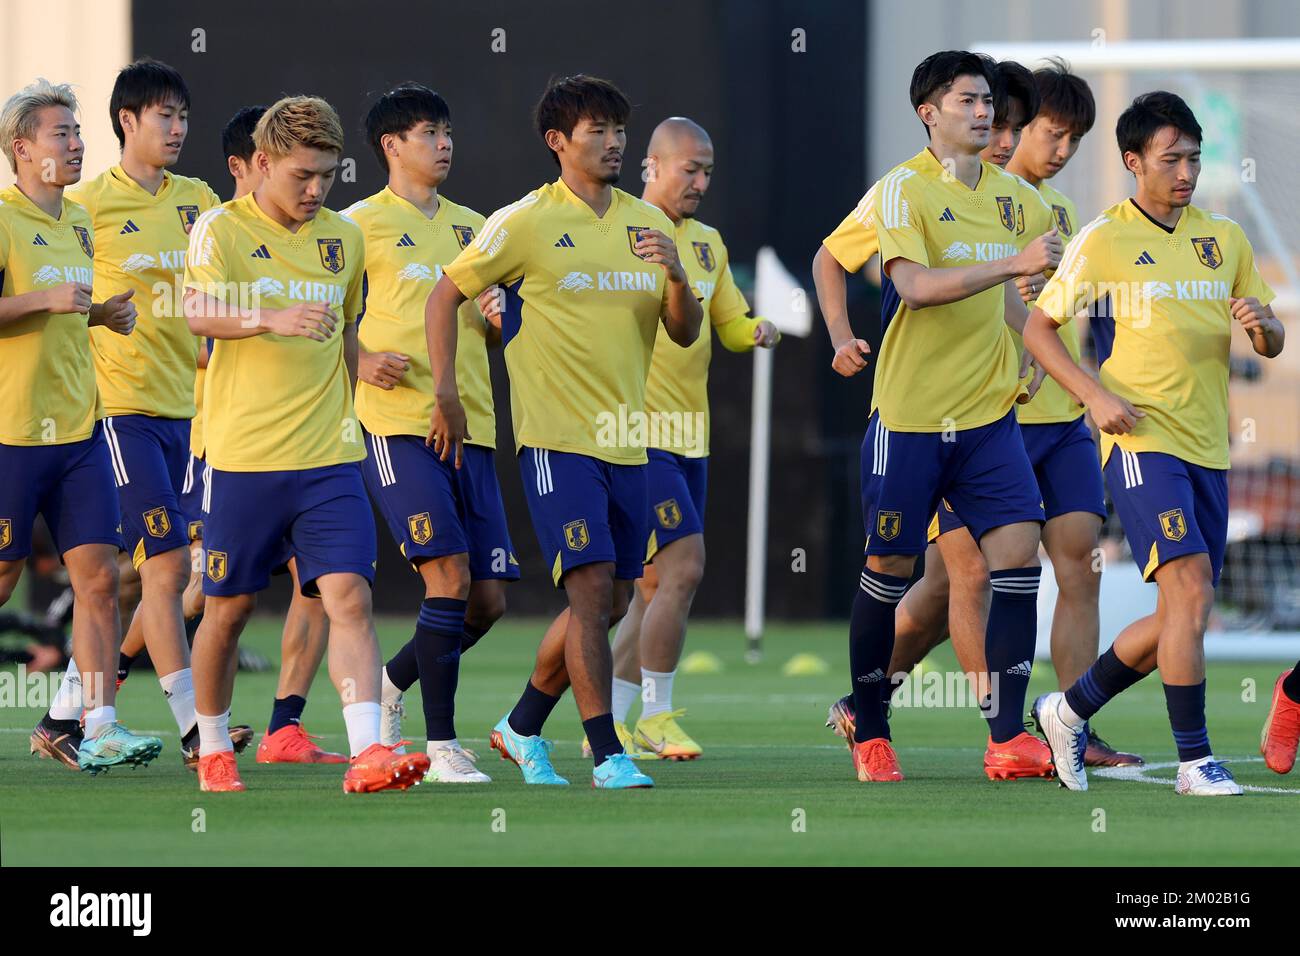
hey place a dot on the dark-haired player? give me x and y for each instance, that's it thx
(589, 272)
(1175, 277)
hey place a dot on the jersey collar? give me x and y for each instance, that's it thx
(1140, 214)
(574, 198)
(128, 184)
(16, 196)
(409, 207)
(934, 169)
(256, 210)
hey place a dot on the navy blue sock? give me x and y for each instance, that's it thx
(404, 668)
(1291, 684)
(437, 654)
(286, 711)
(532, 710)
(1106, 678)
(124, 663)
(1009, 647)
(471, 636)
(871, 643)
(1187, 720)
(602, 737)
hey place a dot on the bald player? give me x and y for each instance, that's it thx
(648, 644)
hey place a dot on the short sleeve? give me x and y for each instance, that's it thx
(498, 254)
(898, 221)
(205, 265)
(1073, 287)
(854, 240)
(1248, 282)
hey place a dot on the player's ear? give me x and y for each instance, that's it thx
(555, 140)
(388, 143)
(235, 166)
(1132, 162)
(127, 119)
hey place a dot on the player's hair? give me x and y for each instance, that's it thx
(237, 134)
(571, 99)
(1064, 96)
(399, 111)
(934, 76)
(1150, 113)
(143, 84)
(298, 121)
(18, 115)
(1014, 82)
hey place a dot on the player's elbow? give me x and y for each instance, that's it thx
(683, 332)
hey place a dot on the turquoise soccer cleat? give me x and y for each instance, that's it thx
(619, 773)
(531, 754)
(114, 745)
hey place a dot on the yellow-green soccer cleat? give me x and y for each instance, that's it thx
(625, 738)
(663, 737)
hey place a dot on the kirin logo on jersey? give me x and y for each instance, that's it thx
(958, 250)
(83, 237)
(704, 256)
(47, 275)
(1157, 290)
(418, 271)
(1207, 250)
(464, 235)
(188, 214)
(1007, 212)
(1062, 220)
(576, 282)
(267, 286)
(138, 261)
(331, 254)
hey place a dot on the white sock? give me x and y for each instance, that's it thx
(624, 693)
(98, 718)
(1067, 714)
(658, 693)
(388, 692)
(363, 725)
(433, 746)
(67, 704)
(214, 733)
(178, 688)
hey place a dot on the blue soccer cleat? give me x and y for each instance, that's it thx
(618, 772)
(114, 745)
(531, 754)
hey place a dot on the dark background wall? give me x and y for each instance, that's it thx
(788, 128)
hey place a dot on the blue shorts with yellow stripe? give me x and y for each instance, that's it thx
(191, 496)
(678, 488)
(1169, 508)
(149, 457)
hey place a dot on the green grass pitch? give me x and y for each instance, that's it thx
(774, 785)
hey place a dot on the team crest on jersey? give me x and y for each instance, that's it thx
(188, 214)
(421, 527)
(1007, 212)
(195, 530)
(216, 565)
(1020, 219)
(6, 532)
(1062, 220)
(464, 235)
(1173, 524)
(704, 256)
(157, 523)
(331, 254)
(576, 536)
(83, 237)
(670, 516)
(888, 524)
(1207, 250)
(633, 233)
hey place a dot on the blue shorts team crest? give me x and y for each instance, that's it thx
(434, 509)
(678, 487)
(149, 456)
(585, 511)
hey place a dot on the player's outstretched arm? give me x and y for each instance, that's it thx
(1113, 414)
(921, 287)
(1267, 334)
(68, 298)
(447, 426)
(832, 298)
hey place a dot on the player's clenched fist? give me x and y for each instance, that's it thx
(1250, 313)
(766, 335)
(1114, 415)
(312, 320)
(653, 246)
(68, 298)
(1041, 255)
(491, 302)
(1029, 287)
(118, 313)
(851, 357)
(382, 369)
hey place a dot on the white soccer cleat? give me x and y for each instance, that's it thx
(454, 764)
(1206, 778)
(1068, 744)
(391, 713)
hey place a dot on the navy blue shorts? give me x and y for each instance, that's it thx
(434, 509)
(1169, 508)
(149, 457)
(322, 513)
(71, 486)
(191, 496)
(585, 510)
(677, 487)
(984, 473)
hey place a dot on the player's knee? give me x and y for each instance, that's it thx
(1075, 575)
(348, 605)
(1190, 586)
(896, 565)
(619, 602)
(685, 572)
(97, 584)
(169, 571)
(485, 608)
(9, 574)
(229, 614)
(591, 593)
(446, 577)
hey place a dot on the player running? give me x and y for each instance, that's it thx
(449, 522)
(589, 271)
(53, 455)
(269, 277)
(1168, 279)
(649, 640)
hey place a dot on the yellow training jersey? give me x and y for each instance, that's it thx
(405, 255)
(950, 366)
(47, 379)
(140, 244)
(1164, 296)
(854, 240)
(273, 402)
(196, 423)
(581, 313)
(677, 389)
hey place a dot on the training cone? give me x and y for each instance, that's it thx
(805, 665)
(701, 662)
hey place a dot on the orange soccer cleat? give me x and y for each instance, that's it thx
(1022, 756)
(292, 744)
(379, 768)
(218, 773)
(875, 760)
(1281, 731)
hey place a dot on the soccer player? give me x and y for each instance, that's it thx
(1172, 278)
(53, 455)
(1281, 734)
(649, 640)
(275, 279)
(449, 522)
(589, 271)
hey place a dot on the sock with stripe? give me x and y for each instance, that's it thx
(437, 653)
(286, 711)
(1106, 678)
(1186, 707)
(871, 644)
(1009, 643)
(623, 696)
(1291, 684)
(67, 703)
(531, 712)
